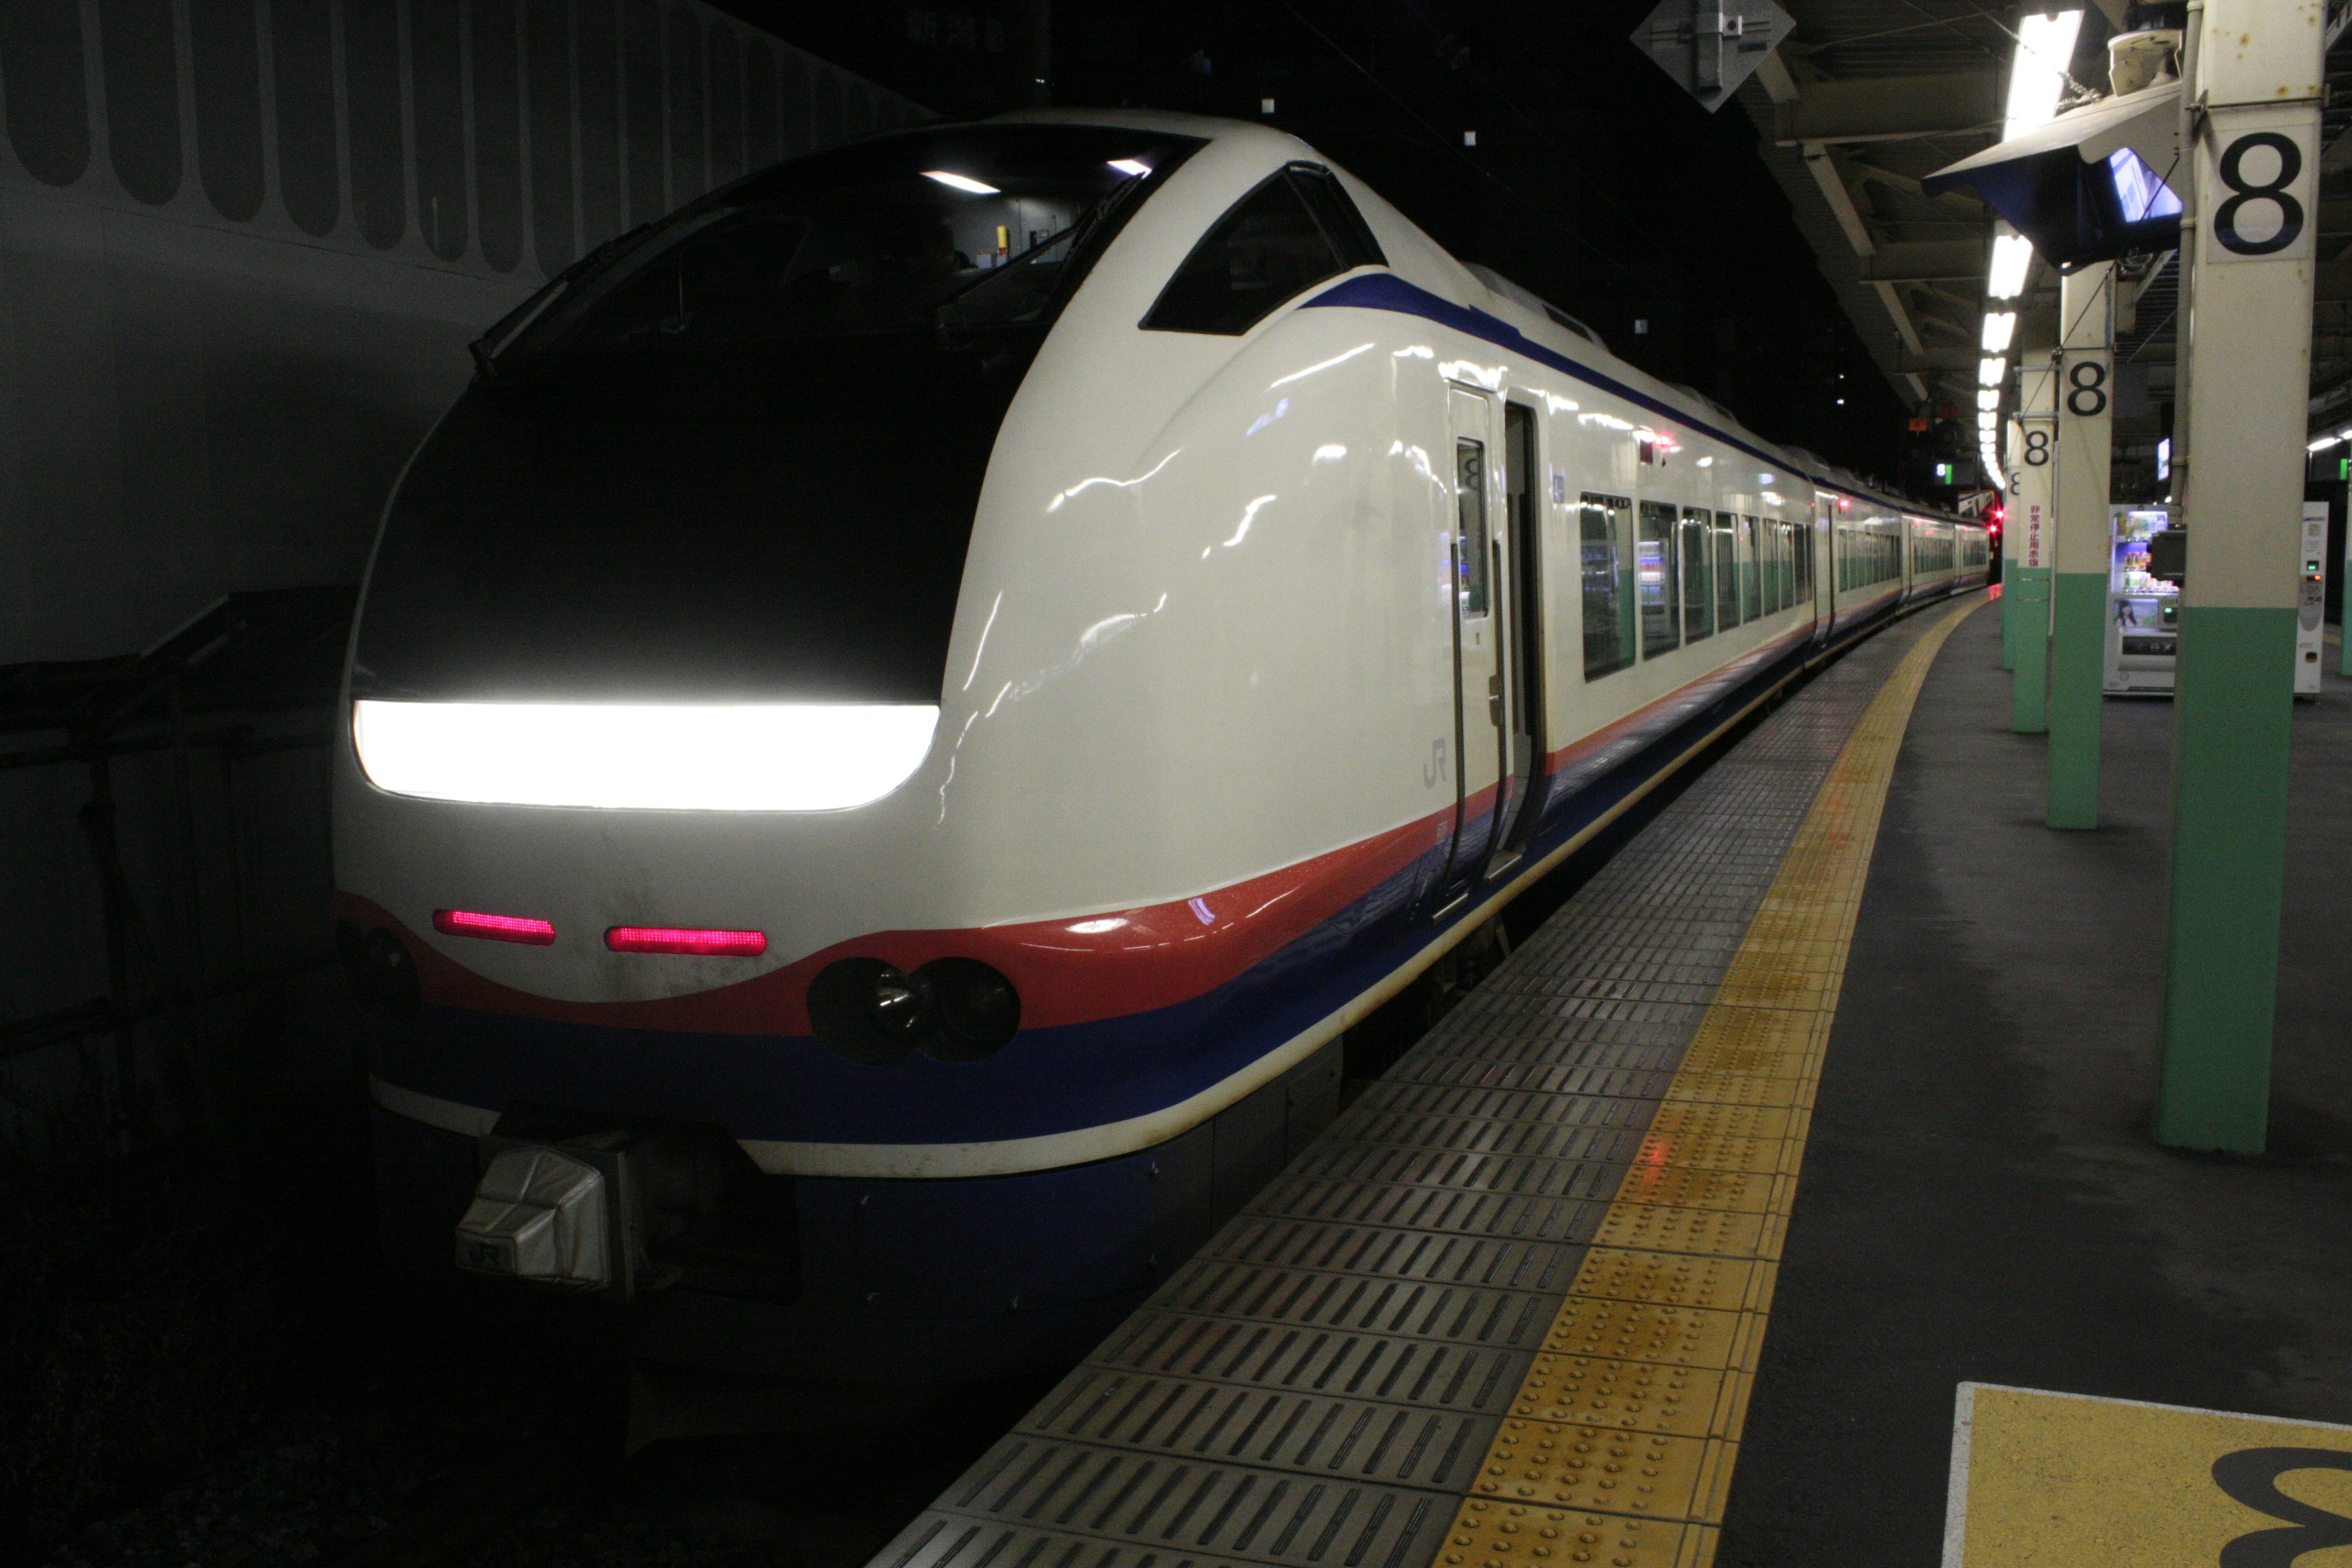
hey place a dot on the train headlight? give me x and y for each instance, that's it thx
(776, 756)
(870, 1011)
(951, 1009)
(978, 1009)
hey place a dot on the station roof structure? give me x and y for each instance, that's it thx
(1865, 98)
(1862, 102)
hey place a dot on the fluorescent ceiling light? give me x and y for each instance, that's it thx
(2323, 443)
(1129, 166)
(795, 756)
(1986, 420)
(1991, 372)
(1987, 397)
(2044, 46)
(961, 182)
(2012, 255)
(1999, 326)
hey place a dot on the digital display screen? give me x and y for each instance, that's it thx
(2138, 190)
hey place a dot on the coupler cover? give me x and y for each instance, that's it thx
(542, 1214)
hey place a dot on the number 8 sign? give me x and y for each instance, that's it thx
(2260, 197)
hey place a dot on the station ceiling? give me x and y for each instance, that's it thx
(1867, 96)
(1862, 100)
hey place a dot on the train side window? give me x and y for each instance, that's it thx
(1752, 571)
(1727, 569)
(1698, 597)
(1802, 537)
(1605, 532)
(1292, 232)
(1470, 512)
(1658, 582)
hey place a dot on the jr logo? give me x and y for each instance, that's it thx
(1435, 772)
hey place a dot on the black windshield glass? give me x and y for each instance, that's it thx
(967, 226)
(737, 458)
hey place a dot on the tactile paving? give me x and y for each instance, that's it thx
(1504, 1311)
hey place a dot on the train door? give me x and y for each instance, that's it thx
(1481, 725)
(1518, 570)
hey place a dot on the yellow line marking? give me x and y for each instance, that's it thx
(2046, 1478)
(1619, 1447)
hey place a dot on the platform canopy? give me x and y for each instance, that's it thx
(1864, 102)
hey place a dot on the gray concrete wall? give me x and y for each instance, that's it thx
(234, 294)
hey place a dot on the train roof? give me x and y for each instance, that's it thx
(1538, 319)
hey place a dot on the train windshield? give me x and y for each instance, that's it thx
(972, 226)
(736, 458)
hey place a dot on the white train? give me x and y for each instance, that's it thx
(958, 667)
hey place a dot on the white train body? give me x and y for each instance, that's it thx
(1222, 731)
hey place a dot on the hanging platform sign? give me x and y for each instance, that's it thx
(1712, 46)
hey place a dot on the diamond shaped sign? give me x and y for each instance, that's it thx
(1712, 46)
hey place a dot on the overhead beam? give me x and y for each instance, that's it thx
(1965, 203)
(1926, 262)
(1823, 165)
(1939, 361)
(1890, 108)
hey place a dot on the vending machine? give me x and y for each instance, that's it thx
(2310, 599)
(2143, 611)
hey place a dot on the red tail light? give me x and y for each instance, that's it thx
(494, 928)
(686, 939)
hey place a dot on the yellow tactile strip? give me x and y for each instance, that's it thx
(1619, 1447)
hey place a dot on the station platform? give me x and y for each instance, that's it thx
(1676, 1241)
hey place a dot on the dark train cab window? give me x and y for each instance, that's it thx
(686, 474)
(1289, 234)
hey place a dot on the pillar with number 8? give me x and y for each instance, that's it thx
(2250, 234)
(2032, 538)
(2078, 600)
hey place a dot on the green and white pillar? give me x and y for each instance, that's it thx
(2031, 534)
(2078, 600)
(2343, 599)
(2255, 215)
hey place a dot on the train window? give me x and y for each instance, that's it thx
(892, 236)
(1658, 582)
(1296, 229)
(1605, 528)
(1698, 597)
(1345, 226)
(1803, 540)
(1727, 569)
(1470, 513)
(1751, 572)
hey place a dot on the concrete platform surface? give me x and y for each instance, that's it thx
(1981, 1200)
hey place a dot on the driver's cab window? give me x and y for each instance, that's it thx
(1294, 230)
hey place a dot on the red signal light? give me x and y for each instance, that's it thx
(523, 929)
(688, 939)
